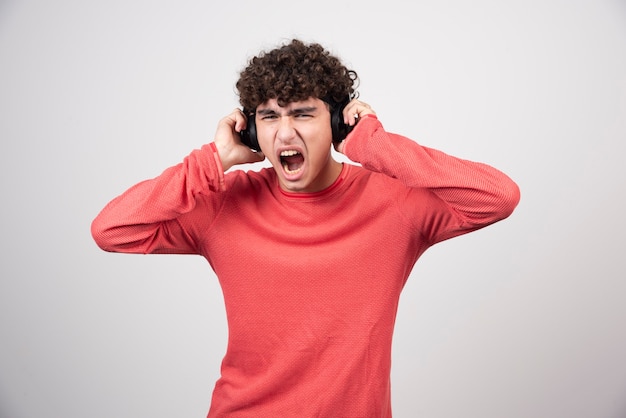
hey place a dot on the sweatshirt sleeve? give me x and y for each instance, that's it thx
(476, 194)
(144, 219)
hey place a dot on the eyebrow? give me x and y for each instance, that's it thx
(296, 111)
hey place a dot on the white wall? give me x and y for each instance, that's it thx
(525, 319)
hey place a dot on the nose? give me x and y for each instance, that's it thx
(286, 129)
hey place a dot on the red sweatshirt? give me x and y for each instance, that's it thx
(311, 281)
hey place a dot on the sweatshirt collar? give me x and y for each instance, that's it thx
(345, 169)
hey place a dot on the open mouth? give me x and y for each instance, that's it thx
(292, 161)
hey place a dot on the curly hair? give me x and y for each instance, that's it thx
(295, 72)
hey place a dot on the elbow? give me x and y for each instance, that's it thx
(116, 238)
(105, 237)
(509, 199)
(98, 233)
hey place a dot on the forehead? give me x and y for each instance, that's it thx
(310, 103)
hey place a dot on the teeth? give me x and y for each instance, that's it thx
(290, 153)
(288, 171)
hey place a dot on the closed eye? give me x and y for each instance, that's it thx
(273, 116)
(298, 113)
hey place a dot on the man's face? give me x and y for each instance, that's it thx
(297, 140)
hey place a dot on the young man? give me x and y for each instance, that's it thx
(311, 254)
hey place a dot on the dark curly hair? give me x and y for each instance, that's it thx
(294, 72)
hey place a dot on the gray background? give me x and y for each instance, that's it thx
(526, 318)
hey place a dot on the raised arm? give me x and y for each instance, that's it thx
(476, 193)
(144, 219)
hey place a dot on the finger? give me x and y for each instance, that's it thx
(349, 113)
(352, 112)
(240, 120)
(230, 119)
(260, 156)
(356, 110)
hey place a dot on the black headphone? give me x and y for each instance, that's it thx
(339, 129)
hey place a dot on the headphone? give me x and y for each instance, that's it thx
(339, 129)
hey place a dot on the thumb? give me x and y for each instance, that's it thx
(339, 146)
(257, 156)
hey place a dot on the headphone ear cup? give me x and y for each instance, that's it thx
(339, 128)
(248, 135)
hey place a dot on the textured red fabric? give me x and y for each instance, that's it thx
(311, 281)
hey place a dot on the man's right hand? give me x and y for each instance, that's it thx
(228, 142)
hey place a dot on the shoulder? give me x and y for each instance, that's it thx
(384, 189)
(238, 181)
(359, 176)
